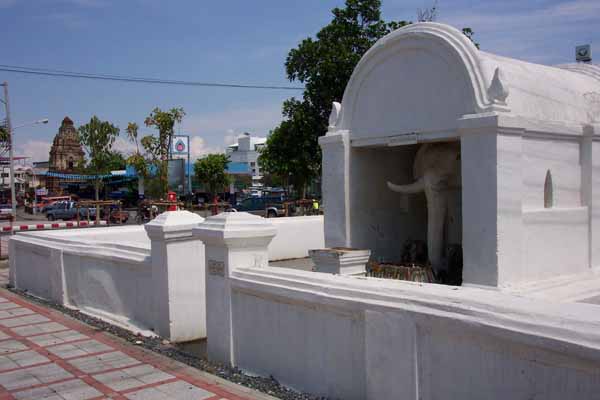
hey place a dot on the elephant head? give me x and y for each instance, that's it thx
(436, 169)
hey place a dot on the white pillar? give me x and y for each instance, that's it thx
(335, 147)
(232, 240)
(492, 189)
(177, 276)
(591, 188)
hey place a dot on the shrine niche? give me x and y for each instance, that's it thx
(438, 142)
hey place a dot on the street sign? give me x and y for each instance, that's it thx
(180, 145)
(41, 192)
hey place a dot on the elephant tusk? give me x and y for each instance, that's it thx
(415, 187)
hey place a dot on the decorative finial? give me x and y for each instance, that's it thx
(498, 91)
(336, 111)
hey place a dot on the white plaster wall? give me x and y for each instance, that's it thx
(38, 269)
(108, 273)
(595, 203)
(317, 348)
(296, 236)
(555, 243)
(352, 338)
(115, 289)
(126, 235)
(563, 159)
(335, 180)
(479, 162)
(409, 88)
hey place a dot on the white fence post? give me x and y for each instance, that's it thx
(232, 240)
(179, 302)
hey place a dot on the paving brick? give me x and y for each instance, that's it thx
(8, 304)
(15, 312)
(51, 339)
(132, 377)
(103, 362)
(178, 390)
(70, 350)
(31, 376)
(21, 359)
(27, 319)
(10, 346)
(36, 329)
(70, 390)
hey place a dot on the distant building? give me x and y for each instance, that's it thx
(24, 177)
(246, 151)
(66, 153)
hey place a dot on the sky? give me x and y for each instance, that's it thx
(230, 41)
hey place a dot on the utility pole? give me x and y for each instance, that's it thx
(13, 196)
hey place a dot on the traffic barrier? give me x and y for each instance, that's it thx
(56, 225)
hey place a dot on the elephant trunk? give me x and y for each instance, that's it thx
(412, 188)
(437, 203)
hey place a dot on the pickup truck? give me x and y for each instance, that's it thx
(269, 207)
(68, 210)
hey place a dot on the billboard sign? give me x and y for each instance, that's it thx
(180, 145)
(176, 174)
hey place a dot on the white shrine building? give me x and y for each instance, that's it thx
(528, 204)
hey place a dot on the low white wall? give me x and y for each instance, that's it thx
(555, 243)
(351, 338)
(114, 289)
(296, 236)
(108, 280)
(119, 275)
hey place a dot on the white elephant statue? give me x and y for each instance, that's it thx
(436, 170)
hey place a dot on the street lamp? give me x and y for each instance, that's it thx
(13, 195)
(39, 121)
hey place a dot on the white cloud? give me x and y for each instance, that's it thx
(222, 128)
(543, 34)
(198, 148)
(36, 150)
(124, 146)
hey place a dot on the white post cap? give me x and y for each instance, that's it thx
(235, 229)
(173, 225)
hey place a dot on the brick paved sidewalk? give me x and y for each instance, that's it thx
(45, 355)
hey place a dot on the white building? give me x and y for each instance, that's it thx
(24, 177)
(246, 151)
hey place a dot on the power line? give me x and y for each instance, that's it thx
(133, 79)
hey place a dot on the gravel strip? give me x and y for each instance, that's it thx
(159, 345)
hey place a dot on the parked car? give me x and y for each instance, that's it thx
(54, 205)
(5, 211)
(269, 207)
(68, 210)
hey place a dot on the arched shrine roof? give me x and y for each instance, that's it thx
(426, 76)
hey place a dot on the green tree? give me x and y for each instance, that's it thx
(138, 160)
(324, 64)
(158, 147)
(97, 137)
(211, 170)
